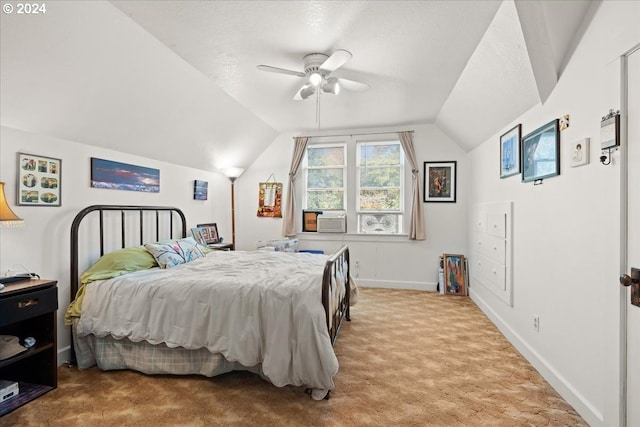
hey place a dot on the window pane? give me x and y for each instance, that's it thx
(379, 223)
(378, 154)
(380, 176)
(325, 156)
(380, 200)
(325, 199)
(325, 178)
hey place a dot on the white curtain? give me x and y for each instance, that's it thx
(289, 223)
(416, 217)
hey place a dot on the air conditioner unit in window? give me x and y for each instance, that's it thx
(332, 224)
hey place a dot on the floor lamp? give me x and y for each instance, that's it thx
(233, 174)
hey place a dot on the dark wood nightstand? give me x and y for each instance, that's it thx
(28, 309)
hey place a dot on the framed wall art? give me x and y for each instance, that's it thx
(440, 181)
(270, 199)
(540, 152)
(39, 180)
(200, 190)
(510, 152)
(579, 152)
(455, 276)
(123, 176)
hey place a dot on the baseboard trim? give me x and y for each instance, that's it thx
(64, 355)
(416, 286)
(557, 381)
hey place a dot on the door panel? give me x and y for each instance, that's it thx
(633, 238)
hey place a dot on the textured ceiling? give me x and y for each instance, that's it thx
(178, 79)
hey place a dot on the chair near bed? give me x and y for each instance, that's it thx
(310, 306)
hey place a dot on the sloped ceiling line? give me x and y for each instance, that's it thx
(539, 46)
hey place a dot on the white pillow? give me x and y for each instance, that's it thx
(174, 253)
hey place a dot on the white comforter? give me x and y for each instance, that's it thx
(252, 307)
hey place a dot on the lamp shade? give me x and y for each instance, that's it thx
(315, 79)
(7, 217)
(331, 86)
(307, 91)
(233, 173)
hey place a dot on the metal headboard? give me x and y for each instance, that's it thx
(75, 226)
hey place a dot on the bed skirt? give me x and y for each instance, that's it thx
(109, 353)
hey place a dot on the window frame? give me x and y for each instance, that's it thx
(305, 169)
(352, 181)
(400, 212)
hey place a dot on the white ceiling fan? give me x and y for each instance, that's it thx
(317, 72)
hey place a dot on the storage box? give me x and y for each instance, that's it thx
(8, 389)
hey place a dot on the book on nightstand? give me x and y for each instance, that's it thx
(8, 389)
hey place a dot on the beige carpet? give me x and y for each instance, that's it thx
(407, 358)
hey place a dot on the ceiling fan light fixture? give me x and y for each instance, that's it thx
(331, 86)
(307, 91)
(315, 79)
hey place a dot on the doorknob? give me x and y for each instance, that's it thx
(626, 280)
(633, 281)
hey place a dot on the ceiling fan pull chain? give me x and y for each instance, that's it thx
(318, 108)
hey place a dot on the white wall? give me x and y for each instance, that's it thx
(382, 261)
(566, 231)
(42, 244)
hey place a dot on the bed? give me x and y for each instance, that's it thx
(276, 314)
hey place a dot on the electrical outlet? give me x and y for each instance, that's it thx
(357, 265)
(536, 322)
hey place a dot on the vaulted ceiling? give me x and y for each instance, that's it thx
(177, 80)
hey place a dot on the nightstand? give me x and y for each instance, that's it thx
(28, 309)
(221, 246)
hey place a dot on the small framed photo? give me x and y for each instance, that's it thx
(200, 190)
(310, 220)
(455, 276)
(198, 235)
(579, 154)
(210, 233)
(39, 180)
(510, 152)
(440, 181)
(540, 152)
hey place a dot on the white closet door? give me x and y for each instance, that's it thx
(633, 238)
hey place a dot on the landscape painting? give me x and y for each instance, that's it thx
(200, 190)
(123, 176)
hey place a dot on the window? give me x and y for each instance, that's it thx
(364, 179)
(325, 177)
(380, 187)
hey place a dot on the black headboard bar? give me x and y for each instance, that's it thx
(142, 228)
(75, 226)
(101, 233)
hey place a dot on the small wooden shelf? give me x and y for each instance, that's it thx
(29, 310)
(27, 392)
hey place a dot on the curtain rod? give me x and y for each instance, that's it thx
(357, 134)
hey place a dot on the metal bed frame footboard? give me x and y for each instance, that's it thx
(336, 272)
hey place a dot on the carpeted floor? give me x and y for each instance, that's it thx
(408, 358)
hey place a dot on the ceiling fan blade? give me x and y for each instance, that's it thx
(280, 70)
(352, 85)
(336, 60)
